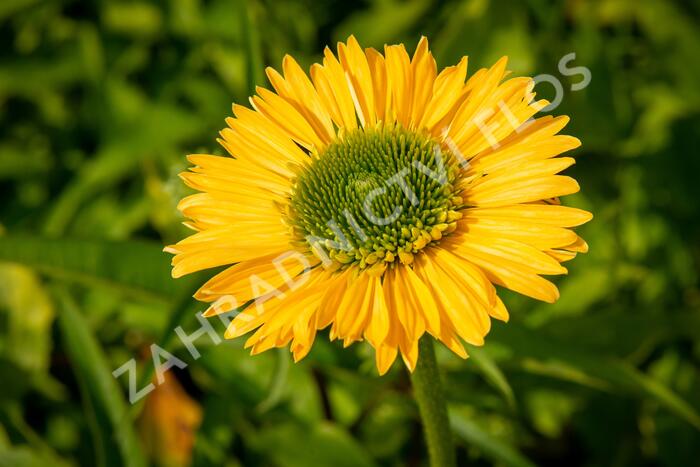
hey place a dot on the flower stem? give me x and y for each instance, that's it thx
(432, 407)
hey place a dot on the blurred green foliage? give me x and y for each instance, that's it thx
(101, 100)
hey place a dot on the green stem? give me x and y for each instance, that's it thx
(431, 404)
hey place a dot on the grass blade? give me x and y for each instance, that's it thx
(100, 389)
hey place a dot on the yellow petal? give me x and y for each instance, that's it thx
(543, 214)
(278, 270)
(538, 235)
(358, 72)
(382, 98)
(504, 251)
(385, 356)
(457, 307)
(288, 118)
(521, 190)
(424, 71)
(447, 91)
(378, 327)
(483, 86)
(400, 299)
(400, 82)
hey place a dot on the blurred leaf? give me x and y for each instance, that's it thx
(625, 334)
(40, 450)
(139, 19)
(383, 22)
(135, 267)
(99, 387)
(277, 382)
(136, 131)
(493, 448)
(388, 423)
(321, 444)
(577, 365)
(26, 457)
(493, 374)
(11, 371)
(30, 315)
(8, 7)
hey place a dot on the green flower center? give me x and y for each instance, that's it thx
(375, 197)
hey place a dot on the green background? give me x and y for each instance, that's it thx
(101, 100)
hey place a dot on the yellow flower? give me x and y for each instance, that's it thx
(382, 199)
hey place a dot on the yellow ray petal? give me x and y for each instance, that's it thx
(424, 71)
(330, 81)
(523, 190)
(515, 154)
(288, 118)
(579, 246)
(543, 214)
(379, 323)
(385, 355)
(456, 307)
(337, 287)
(357, 70)
(506, 252)
(498, 179)
(422, 300)
(538, 235)
(401, 301)
(298, 89)
(483, 86)
(278, 270)
(399, 82)
(354, 310)
(499, 311)
(515, 276)
(446, 94)
(267, 130)
(248, 183)
(382, 98)
(409, 351)
(470, 282)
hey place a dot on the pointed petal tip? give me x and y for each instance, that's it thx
(230, 332)
(209, 312)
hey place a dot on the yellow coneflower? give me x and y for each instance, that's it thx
(383, 199)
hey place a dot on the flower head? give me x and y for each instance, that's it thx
(383, 199)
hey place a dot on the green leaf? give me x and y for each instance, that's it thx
(10, 7)
(322, 444)
(493, 374)
(26, 457)
(493, 448)
(277, 382)
(135, 267)
(563, 359)
(101, 393)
